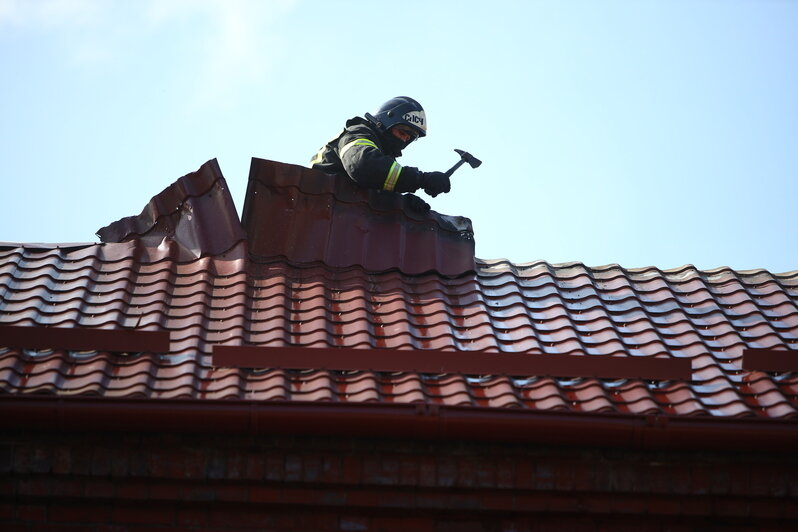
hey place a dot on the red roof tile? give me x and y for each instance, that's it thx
(195, 214)
(307, 216)
(207, 285)
(275, 302)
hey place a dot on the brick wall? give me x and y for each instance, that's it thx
(61, 481)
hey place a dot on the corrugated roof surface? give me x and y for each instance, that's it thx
(328, 264)
(308, 216)
(195, 214)
(707, 316)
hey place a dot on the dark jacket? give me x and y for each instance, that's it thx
(368, 158)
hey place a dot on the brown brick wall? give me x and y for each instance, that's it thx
(60, 481)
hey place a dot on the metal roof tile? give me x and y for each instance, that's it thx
(555, 403)
(308, 216)
(273, 299)
(169, 216)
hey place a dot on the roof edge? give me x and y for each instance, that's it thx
(415, 420)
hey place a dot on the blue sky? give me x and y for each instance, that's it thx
(643, 133)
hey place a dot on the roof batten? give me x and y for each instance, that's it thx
(83, 339)
(770, 360)
(463, 362)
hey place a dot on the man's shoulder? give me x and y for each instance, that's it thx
(360, 125)
(359, 128)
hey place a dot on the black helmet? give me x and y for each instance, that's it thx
(400, 110)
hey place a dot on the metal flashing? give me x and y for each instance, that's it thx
(452, 362)
(84, 339)
(770, 360)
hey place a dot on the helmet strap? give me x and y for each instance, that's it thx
(374, 121)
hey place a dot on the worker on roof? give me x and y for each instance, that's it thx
(366, 151)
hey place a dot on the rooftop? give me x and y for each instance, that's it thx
(318, 263)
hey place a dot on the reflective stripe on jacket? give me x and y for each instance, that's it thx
(361, 153)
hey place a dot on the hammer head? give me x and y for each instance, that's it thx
(470, 159)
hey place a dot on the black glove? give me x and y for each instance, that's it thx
(416, 204)
(434, 183)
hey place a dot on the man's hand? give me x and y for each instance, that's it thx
(435, 183)
(416, 204)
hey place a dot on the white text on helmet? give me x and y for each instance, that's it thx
(416, 117)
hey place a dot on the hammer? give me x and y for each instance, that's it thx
(465, 157)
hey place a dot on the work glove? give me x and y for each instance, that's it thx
(434, 183)
(416, 204)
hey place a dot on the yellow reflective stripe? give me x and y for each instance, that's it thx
(318, 157)
(356, 142)
(393, 176)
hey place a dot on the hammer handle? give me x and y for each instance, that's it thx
(455, 167)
